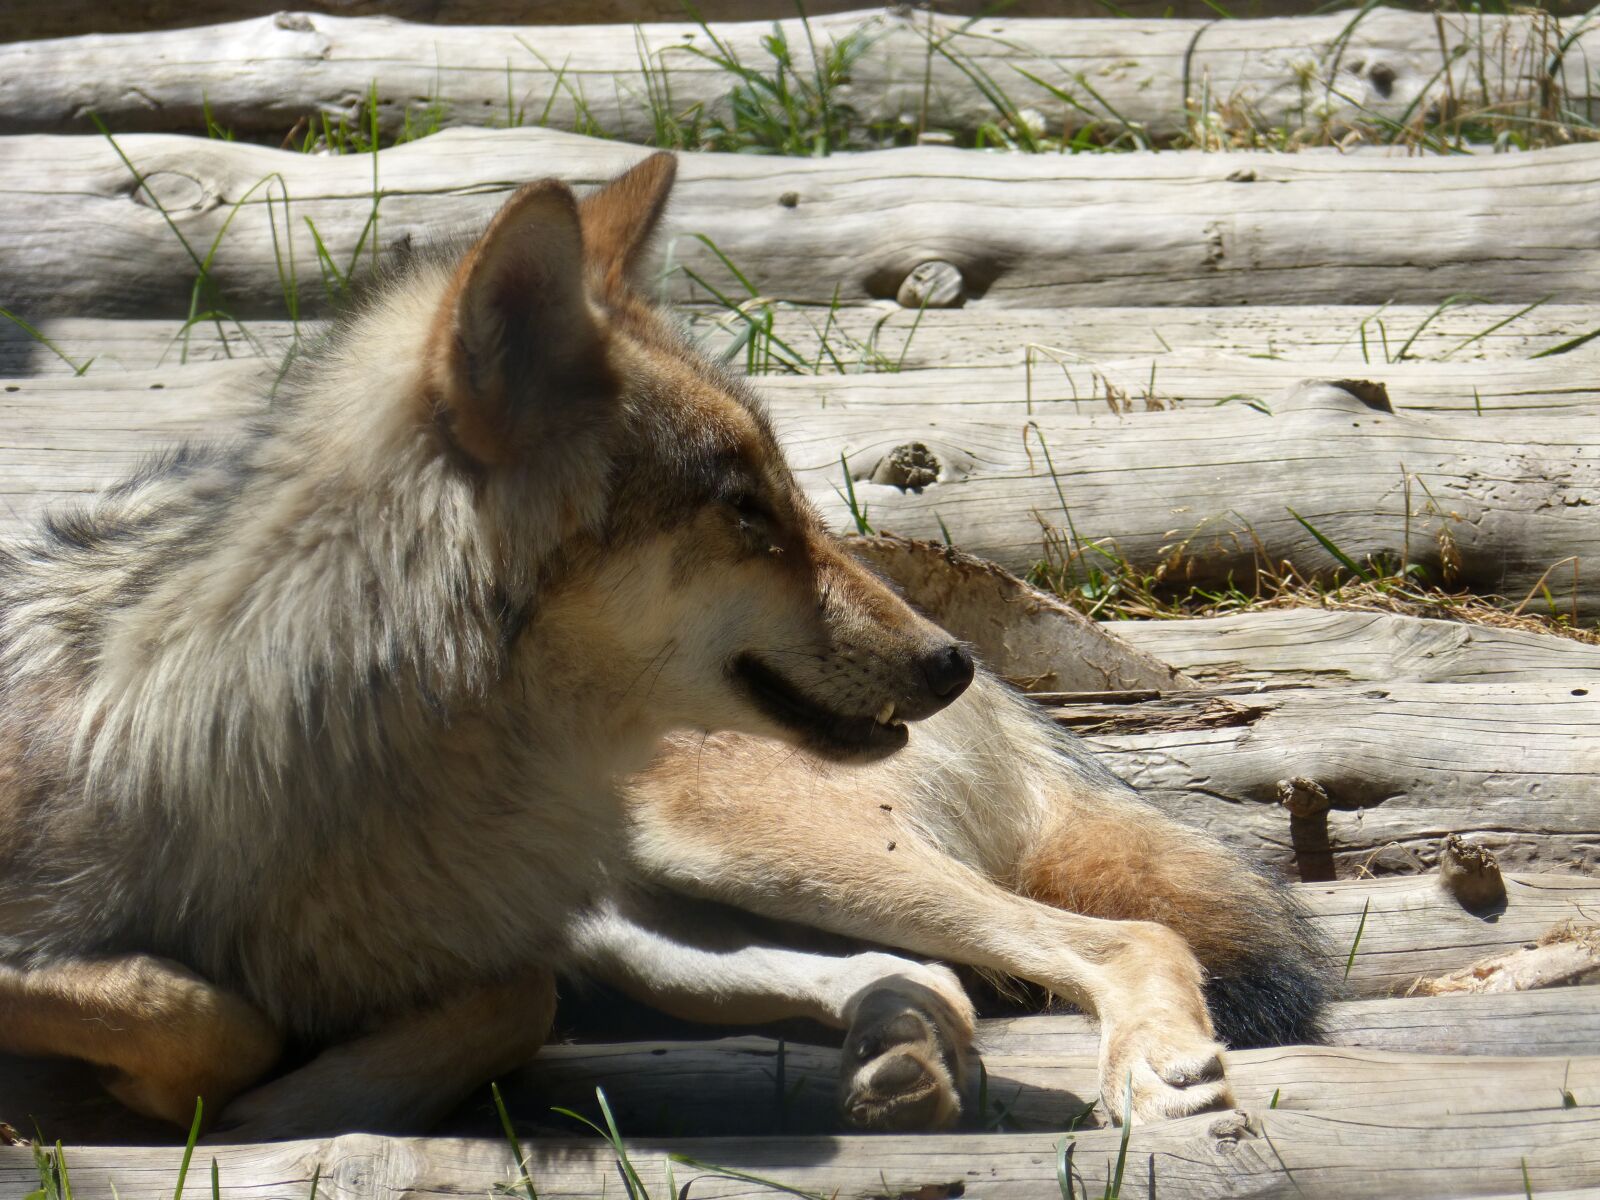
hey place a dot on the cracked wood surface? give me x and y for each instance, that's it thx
(78, 238)
(1511, 767)
(1260, 1153)
(261, 76)
(1321, 646)
(67, 18)
(1141, 344)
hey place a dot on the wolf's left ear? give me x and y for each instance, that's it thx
(619, 219)
(517, 356)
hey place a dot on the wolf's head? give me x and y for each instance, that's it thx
(668, 559)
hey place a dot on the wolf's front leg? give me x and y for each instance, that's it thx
(907, 1054)
(407, 1074)
(842, 862)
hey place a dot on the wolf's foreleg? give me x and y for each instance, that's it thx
(908, 1049)
(164, 1035)
(408, 1073)
(839, 861)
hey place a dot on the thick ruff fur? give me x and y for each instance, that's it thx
(316, 739)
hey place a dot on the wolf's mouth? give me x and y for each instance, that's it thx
(823, 730)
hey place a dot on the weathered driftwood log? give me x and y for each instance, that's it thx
(1209, 495)
(733, 1089)
(77, 237)
(905, 68)
(1321, 646)
(1555, 1021)
(1209, 492)
(68, 18)
(1511, 767)
(1191, 379)
(1255, 1155)
(877, 337)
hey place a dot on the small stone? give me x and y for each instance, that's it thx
(910, 468)
(933, 284)
(789, 199)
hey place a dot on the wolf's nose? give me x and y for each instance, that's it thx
(948, 671)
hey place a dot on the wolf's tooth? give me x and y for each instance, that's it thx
(886, 713)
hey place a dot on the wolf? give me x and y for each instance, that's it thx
(502, 646)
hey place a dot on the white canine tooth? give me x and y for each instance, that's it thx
(886, 713)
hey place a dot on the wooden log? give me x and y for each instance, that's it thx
(1510, 494)
(1189, 379)
(1263, 1153)
(877, 337)
(1041, 1074)
(732, 1089)
(1553, 1022)
(1322, 646)
(67, 18)
(77, 237)
(1509, 767)
(1324, 75)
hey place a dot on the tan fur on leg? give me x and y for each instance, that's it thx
(407, 1074)
(164, 1034)
(869, 872)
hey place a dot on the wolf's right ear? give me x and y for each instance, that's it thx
(516, 353)
(620, 218)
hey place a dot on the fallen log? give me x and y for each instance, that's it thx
(1509, 767)
(1501, 499)
(1321, 646)
(1554, 1022)
(1263, 1153)
(1212, 81)
(882, 337)
(67, 18)
(78, 237)
(735, 1089)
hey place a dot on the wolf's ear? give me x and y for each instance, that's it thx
(517, 355)
(619, 219)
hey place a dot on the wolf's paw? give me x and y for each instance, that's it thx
(904, 1060)
(1174, 1072)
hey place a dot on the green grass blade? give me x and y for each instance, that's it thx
(1361, 927)
(511, 1140)
(1344, 559)
(188, 1148)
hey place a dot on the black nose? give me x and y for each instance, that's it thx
(948, 671)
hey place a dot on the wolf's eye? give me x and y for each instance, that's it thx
(750, 510)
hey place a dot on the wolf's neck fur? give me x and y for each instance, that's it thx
(320, 627)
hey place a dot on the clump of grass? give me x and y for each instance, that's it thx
(777, 106)
(1096, 578)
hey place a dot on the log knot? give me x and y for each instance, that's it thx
(1234, 1127)
(1303, 797)
(910, 468)
(1471, 874)
(933, 284)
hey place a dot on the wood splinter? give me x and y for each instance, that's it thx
(1470, 874)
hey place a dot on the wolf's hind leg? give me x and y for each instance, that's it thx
(407, 1074)
(163, 1034)
(908, 1050)
(1267, 977)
